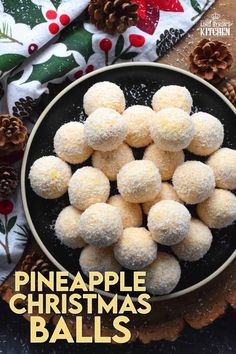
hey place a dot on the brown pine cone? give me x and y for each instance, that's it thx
(211, 60)
(8, 180)
(35, 263)
(13, 134)
(229, 90)
(113, 16)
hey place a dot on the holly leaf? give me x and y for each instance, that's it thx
(129, 55)
(52, 69)
(9, 61)
(56, 3)
(15, 77)
(119, 45)
(195, 5)
(2, 228)
(78, 39)
(11, 223)
(24, 12)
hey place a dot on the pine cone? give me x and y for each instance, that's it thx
(25, 109)
(35, 263)
(113, 16)
(13, 134)
(8, 180)
(229, 90)
(211, 60)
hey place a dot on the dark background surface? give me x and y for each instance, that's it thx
(138, 83)
(218, 338)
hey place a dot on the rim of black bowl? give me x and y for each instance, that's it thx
(23, 175)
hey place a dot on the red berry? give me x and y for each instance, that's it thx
(32, 48)
(136, 40)
(105, 45)
(53, 28)
(6, 207)
(64, 19)
(78, 74)
(89, 69)
(51, 15)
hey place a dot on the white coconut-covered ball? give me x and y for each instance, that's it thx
(165, 161)
(196, 244)
(219, 210)
(101, 225)
(110, 162)
(167, 193)
(135, 249)
(131, 213)
(223, 163)
(88, 186)
(168, 222)
(193, 181)
(209, 134)
(172, 96)
(172, 130)
(93, 259)
(105, 129)
(67, 226)
(163, 275)
(49, 177)
(104, 94)
(70, 145)
(138, 119)
(139, 181)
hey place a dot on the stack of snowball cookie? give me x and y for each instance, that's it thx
(110, 227)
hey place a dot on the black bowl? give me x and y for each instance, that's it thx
(139, 82)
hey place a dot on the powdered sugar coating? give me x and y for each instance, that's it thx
(219, 210)
(172, 129)
(93, 259)
(131, 213)
(172, 96)
(223, 163)
(101, 225)
(139, 181)
(69, 143)
(135, 249)
(168, 222)
(49, 177)
(110, 162)
(193, 181)
(209, 134)
(105, 129)
(67, 226)
(167, 193)
(163, 275)
(88, 186)
(138, 119)
(196, 244)
(104, 94)
(165, 161)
